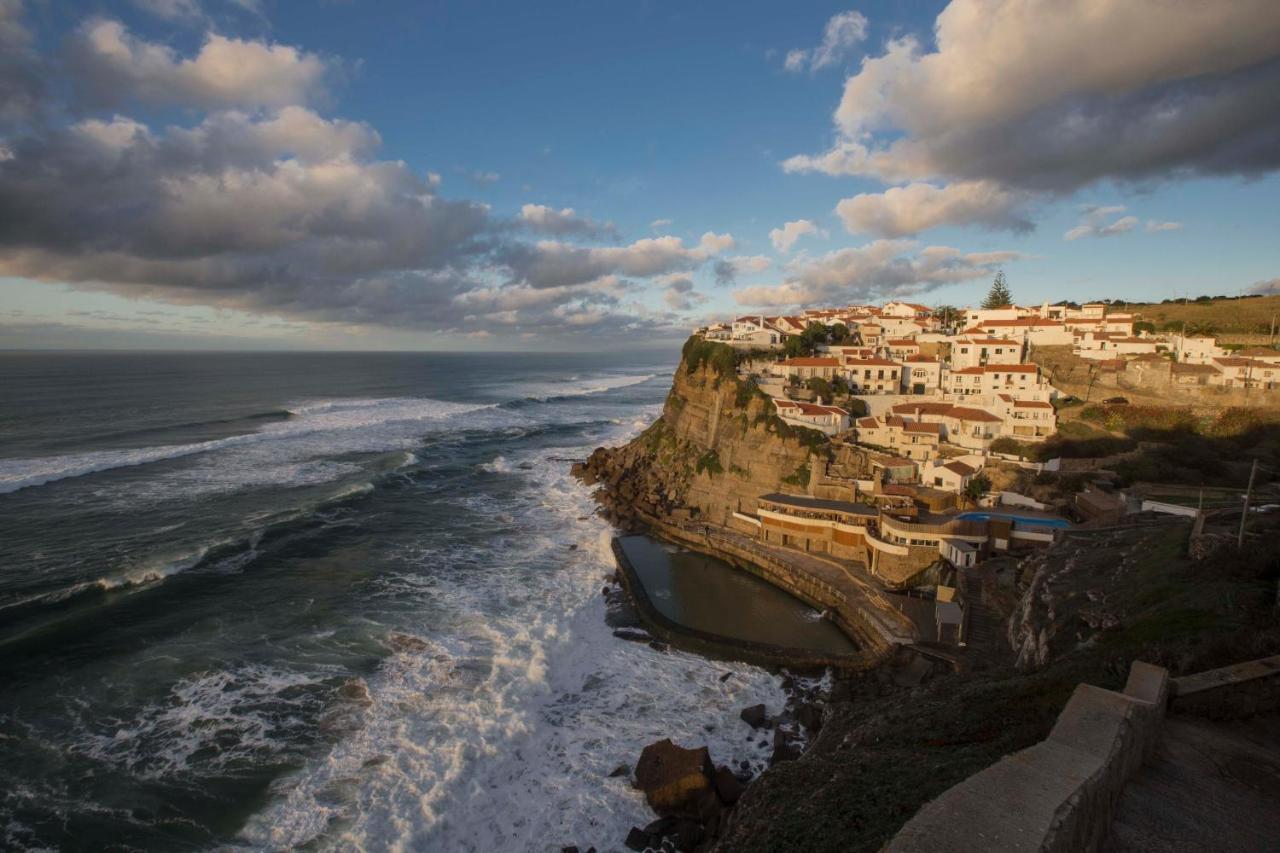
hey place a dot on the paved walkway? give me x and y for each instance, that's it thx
(1209, 787)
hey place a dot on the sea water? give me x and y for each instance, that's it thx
(348, 601)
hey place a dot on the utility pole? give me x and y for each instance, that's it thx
(1248, 492)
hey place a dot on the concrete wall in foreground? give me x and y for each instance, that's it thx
(1060, 794)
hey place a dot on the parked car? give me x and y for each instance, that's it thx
(1117, 401)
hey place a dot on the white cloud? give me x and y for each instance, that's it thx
(548, 220)
(658, 224)
(551, 263)
(727, 270)
(1156, 226)
(111, 65)
(1168, 88)
(903, 211)
(785, 237)
(842, 32)
(1094, 223)
(882, 268)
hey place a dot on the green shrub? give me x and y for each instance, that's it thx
(800, 477)
(709, 462)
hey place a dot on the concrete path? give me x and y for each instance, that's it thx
(1210, 786)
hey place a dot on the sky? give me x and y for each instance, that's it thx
(250, 174)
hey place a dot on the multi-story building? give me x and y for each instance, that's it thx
(1021, 381)
(973, 351)
(872, 375)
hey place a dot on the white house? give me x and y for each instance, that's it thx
(909, 310)
(872, 375)
(899, 349)
(1021, 381)
(970, 351)
(806, 368)
(1026, 420)
(827, 419)
(915, 440)
(921, 374)
(1104, 345)
(1034, 330)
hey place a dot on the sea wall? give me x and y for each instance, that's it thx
(729, 648)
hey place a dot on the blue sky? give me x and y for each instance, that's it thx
(152, 161)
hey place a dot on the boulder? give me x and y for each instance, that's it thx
(809, 716)
(728, 788)
(662, 826)
(673, 778)
(638, 840)
(755, 716)
(619, 771)
(784, 748)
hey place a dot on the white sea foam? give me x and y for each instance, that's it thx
(211, 723)
(318, 427)
(575, 386)
(498, 730)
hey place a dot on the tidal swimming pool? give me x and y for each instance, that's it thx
(708, 594)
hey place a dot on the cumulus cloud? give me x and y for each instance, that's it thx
(1098, 222)
(22, 70)
(903, 211)
(260, 204)
(882, 268)
(1199, 93)
(110, 66)
(659, 224)
(842, 32)
(550, 263)
(785, 237)
(563, 222)
(679, 294)
(727, 270)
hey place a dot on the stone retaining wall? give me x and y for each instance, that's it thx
(1058, 796)
(1230, 693)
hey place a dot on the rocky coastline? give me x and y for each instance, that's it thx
(714, 449)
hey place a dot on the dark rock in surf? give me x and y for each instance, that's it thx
(673, 778)
(755, 716)
(728, 788)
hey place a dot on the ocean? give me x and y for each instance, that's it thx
(346, 601)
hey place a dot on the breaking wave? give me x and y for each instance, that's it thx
(335, 416)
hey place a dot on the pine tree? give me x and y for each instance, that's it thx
(999, 295)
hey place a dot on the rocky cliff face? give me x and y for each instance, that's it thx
(716, 448)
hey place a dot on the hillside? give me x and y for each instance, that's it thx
(1235, 320)
(1084, 610)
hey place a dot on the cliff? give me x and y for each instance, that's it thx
(715, 449)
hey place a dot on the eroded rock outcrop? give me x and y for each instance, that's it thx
(716, 448)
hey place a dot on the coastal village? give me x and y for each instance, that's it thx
(996, 489)
(924, 401)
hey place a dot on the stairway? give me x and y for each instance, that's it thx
(984, 629)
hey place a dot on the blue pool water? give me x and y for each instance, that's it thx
(1021, 520)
